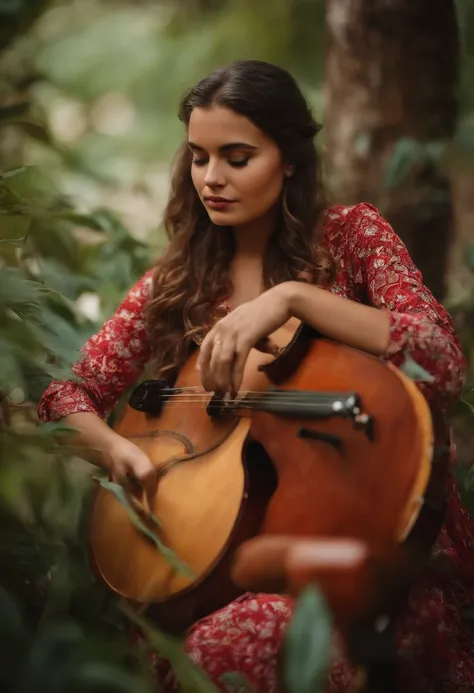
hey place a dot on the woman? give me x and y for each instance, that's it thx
(252, 243)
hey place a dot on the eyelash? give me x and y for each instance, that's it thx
(234, 164)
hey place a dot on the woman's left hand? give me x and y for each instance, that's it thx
(226, 347)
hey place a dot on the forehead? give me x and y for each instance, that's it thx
(211, 128)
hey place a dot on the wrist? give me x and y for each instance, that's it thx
(110, 442)
(290, 294)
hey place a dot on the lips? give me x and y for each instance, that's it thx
(216, 198)
(215, 202)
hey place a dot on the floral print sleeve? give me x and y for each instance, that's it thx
(111, 360)
(383, 275)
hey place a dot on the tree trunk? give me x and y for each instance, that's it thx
(391, 73)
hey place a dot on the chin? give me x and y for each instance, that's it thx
(225, 219)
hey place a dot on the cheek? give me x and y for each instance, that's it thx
(265, 184)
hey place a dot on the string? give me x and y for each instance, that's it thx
(201, 390)
(203, 394)
(245, 406)
(305, 399)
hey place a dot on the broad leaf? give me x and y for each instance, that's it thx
(414, 371)
(20, 294)
(235, 682)
(307, 646)
(468, 398)
(60, 278)
(13, 172)
(121, 496)
(405, 155)
(191, 678)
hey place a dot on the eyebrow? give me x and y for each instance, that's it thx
(225, 147)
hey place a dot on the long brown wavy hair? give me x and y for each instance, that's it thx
(193, 273)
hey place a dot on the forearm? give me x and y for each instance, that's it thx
(93, 436)
(337, 318)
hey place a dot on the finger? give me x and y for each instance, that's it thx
(119, 477)
(205, 350)
(212, 364)
(221, 365)
(148, 481)
(142, 476)
(241, 355)
(207, 379)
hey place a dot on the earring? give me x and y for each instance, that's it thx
(289, 171)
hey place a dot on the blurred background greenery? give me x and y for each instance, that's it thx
(88, 99)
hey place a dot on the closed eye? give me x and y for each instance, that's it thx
(235, 164)
(239, 164)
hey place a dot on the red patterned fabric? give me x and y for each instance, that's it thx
(436, 645)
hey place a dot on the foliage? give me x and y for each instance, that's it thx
(17, 16)
(88, 99)
(308, 644)
(51, 257)
(61, 658)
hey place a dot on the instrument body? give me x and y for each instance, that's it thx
(306, 459)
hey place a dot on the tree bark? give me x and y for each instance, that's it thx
(392, 69)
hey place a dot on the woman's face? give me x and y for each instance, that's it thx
(237, 170)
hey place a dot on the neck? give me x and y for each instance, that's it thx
(251, 239)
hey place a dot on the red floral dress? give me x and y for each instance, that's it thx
(434, 641)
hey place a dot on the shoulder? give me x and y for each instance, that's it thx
(132, 305)
(141, 290)
(357, 226)
(340, 219)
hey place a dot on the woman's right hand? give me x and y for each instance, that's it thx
(131, 467)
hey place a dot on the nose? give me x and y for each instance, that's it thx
(214, 177)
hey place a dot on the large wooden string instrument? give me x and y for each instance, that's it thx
(323, 442)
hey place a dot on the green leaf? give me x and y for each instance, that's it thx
(414, 371)
(11, 374)
(191, 678)
(307, 646)
(35, 130)
(468, 398)
(55, 428)
(435, 150)
(105, 220)
(14, 229)
(405, 155)
(362, 143)
(58, 336)
(19, 294)
(121, 496)
(15, 642)
(92, 221)
(469, 256)
(16, 109)
(235, 682)
(461, 410)
(13, 173)
(107, 678)
(60, 278)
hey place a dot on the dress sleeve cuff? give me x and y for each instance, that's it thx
(403, 333)
(432, 349)
(64, 398)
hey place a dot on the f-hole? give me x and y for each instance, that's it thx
(262, 477)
